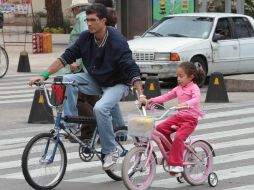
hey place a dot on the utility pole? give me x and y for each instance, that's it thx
(240, 6)
(227, 6)
(204, 5)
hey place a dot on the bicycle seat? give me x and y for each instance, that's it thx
(79, 119)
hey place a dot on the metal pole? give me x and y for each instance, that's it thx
(240, 6)
(227, 6)
(196, 8)
(204, 5)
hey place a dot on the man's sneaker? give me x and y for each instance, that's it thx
(110, 160)
(175, 169)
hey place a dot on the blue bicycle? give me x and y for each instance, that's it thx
(44, 159)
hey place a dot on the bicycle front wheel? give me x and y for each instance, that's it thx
(122, 141)
(196, 173)
(41, 168)
(4, 62)
(135, 175)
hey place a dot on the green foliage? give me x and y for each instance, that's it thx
(40, 14)
(65, 29)
(57, 30)
(249, 7)
(67, 25)
(37, 28)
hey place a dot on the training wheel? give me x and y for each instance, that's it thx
(213, 179)
(180, 179)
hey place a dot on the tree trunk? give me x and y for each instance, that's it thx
(54, 13)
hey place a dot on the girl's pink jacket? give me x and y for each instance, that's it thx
(189, 94)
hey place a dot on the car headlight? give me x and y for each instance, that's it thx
(161, 56)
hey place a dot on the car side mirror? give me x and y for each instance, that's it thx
(217, 37)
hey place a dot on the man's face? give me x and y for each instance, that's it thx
(94, 23)
(75, 10)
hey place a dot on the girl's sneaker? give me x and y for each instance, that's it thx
(176, 169)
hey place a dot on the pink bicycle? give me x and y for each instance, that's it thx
(139, 165)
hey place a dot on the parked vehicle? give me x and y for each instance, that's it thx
(215, 42)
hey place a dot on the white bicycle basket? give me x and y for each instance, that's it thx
(140, 126)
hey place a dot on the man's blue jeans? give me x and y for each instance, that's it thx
(106, 108)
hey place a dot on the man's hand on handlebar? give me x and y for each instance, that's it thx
(35, 79)
(142, 100)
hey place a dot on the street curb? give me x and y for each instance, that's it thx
(240, 83)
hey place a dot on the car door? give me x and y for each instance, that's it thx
(245, 33)
(225, 50)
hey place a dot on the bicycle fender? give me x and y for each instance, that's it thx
(204, 141)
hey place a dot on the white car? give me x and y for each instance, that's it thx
(215, 42)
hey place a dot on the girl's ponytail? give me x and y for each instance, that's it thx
(191, 69)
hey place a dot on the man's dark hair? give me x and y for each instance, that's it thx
(107, 3)
(97, 8)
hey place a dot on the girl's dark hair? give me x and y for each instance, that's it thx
(191, 69)
(107, 3)
(99, 9)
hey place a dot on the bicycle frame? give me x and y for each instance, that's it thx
(58, 126)
(159, 138)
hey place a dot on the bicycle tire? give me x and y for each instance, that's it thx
(115, 173)
(28, 156)
(204, 151)
(4, 65)
(128, 169)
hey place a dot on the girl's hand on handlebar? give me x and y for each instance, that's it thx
(35, 79)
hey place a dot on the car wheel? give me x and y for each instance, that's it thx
(200, 63)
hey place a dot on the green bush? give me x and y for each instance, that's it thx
(57, 30)
(67, 25)
(37, 28)
(41, 14)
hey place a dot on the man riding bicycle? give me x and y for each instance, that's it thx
(111, 70)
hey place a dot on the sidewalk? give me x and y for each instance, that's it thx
(38, 62)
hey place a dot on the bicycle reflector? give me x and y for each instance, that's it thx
(59, 91)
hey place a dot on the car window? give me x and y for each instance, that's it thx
(243, 28)
(223, 28)
(182, 26)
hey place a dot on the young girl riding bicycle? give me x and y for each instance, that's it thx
(185, 121)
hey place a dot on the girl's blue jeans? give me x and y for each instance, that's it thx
(104, 110)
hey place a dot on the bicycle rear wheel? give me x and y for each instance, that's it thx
(38, 170)
(122, 141)
(4, 62)
(135, 176)
(197, 172)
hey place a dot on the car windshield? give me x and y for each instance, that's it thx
(182, 26)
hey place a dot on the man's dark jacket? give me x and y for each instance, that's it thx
(108, 65)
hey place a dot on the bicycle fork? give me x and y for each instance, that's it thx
(56, 136)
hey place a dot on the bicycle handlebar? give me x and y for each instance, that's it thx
(42, 84)
(73, 83)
